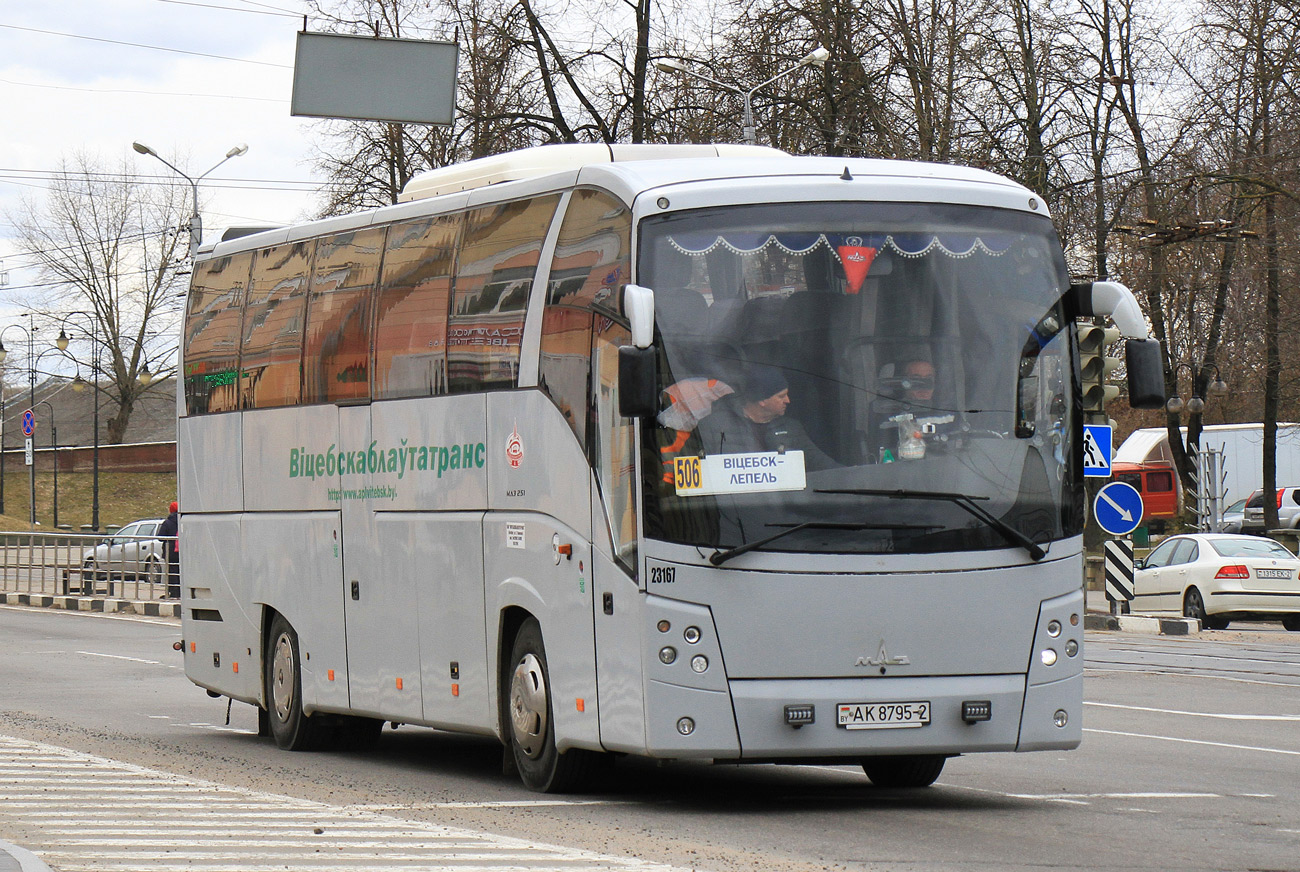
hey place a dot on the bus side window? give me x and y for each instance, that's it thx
(212, 327)
(613, 443)
(591, 261)
(270, 362)
(411, 308)
(336, 357)
(494, 276)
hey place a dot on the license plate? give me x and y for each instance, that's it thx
(883, 715)
(1272, 573)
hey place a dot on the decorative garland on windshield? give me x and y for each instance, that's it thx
(955, 246)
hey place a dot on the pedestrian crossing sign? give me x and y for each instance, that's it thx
(1098, 439)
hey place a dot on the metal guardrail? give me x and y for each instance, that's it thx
(131, 567)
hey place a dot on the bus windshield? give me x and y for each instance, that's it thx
(860, 378)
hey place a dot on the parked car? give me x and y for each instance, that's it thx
(130, 552)
(1218, 578)
(1288, 510)
(1230, 520)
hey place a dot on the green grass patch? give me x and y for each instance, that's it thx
(123, 497)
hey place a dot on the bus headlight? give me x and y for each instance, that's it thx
(699, 663)
(1048, 656)
(667, 654)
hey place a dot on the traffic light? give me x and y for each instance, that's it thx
(1095, 367)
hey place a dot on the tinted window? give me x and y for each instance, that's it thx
(1160, 481)
(1251, 547)
(1185, 552)
(592, 258)
(613, 442)
(212, 328)
(336, 357)
(271, 359)
(1162, 554)
(411, 318)
(590, 264)
(565, 364)
(494, 275)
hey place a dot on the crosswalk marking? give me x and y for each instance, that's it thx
(82, 813)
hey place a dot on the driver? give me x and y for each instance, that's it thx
(757, 421)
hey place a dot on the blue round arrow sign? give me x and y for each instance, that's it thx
(1118, 508)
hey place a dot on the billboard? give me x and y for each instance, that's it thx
(361, 77)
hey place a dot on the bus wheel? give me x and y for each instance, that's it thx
(291, 729)
(531, 721)
(916, 770)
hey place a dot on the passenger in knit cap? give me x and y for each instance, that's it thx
(759, 424)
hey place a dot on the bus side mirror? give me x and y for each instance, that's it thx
(638, 382)
(639, 306)
(1146, 378)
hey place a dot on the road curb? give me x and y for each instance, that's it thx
(1151, 625)
(155, 609)
(26, 860)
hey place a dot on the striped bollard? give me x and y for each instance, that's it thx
(1119, 574)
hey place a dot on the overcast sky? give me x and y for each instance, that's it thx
(190, 79)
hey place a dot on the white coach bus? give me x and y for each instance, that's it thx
(677, 451)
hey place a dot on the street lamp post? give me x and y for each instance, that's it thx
(30, 330)
(54, 450)
(817, 57)
(62, 344)
(1196, 405)
(196, 220)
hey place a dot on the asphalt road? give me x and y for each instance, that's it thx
(111, 759)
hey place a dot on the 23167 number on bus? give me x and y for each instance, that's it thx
(883, 715)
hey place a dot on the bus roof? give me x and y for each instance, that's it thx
(630, 170)
(545, 160)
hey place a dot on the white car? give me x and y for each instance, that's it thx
(1217, 578)
(130, 552)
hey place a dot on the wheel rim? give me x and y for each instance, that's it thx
(154, 573)
(1195, 608)
(282, 668)
(528, 705)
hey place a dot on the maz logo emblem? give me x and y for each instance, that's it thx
(883, 659)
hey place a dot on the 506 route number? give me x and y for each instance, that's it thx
(686, 474)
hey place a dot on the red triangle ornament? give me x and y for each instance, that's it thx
(857, 262)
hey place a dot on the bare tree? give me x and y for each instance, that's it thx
(109, 247)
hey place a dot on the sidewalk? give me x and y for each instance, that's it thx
(1098, 617)
(151, 608)
(15, 859)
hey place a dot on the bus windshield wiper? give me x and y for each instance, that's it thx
(963, 501)
(721, 556)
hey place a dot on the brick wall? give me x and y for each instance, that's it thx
(133, 457)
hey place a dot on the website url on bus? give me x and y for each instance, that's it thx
(378, 492)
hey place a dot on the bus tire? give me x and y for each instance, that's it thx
(530, 724)
(912, 770)
(290, 727)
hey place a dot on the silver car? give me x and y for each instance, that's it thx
(1230, 520)
(130, 552)
(1288, 510)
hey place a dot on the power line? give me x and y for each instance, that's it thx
(143, 45)
(143, 92)
(269, 10)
